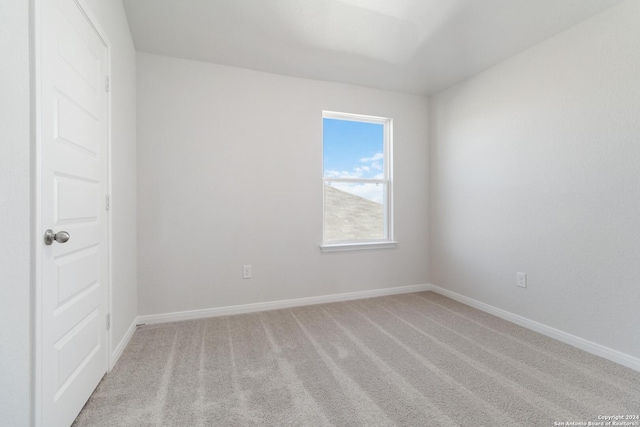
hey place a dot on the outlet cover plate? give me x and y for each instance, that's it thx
(246, 272)
(521, 279)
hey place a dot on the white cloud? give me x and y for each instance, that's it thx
(343, 174)
(375, 161)
(376, 157)
(366, 166)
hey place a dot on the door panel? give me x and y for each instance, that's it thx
(77, 126)
(76, 346)
(74, 183)
(76, 274)
(77, 199)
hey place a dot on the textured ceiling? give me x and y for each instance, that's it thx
(414, 46)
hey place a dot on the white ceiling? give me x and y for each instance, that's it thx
(414, 46)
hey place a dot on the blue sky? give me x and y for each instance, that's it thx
(352, 149)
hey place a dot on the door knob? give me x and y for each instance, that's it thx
(60, 237)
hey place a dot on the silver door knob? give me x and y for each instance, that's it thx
(60, 237)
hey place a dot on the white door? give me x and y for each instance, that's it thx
(73, 143)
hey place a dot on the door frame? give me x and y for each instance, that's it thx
(37, 338)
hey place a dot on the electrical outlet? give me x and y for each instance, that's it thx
(521, 280)
(246, 272)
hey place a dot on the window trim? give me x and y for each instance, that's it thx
(364, 245)
(388, 241)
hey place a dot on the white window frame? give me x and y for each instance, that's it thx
(387, 181)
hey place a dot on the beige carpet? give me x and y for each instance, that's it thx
(410, 360)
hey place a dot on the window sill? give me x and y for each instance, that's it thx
(340, 247)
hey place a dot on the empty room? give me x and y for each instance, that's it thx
(320, 213)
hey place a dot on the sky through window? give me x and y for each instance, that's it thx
(353, 149)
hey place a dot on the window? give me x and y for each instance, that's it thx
(357, 182)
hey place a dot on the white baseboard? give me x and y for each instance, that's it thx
(274, 305)
(117, 352)
(581, 343)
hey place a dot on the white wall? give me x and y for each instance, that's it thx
(15, 214)
(110, 14)
(536, 168)
(229, 173)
